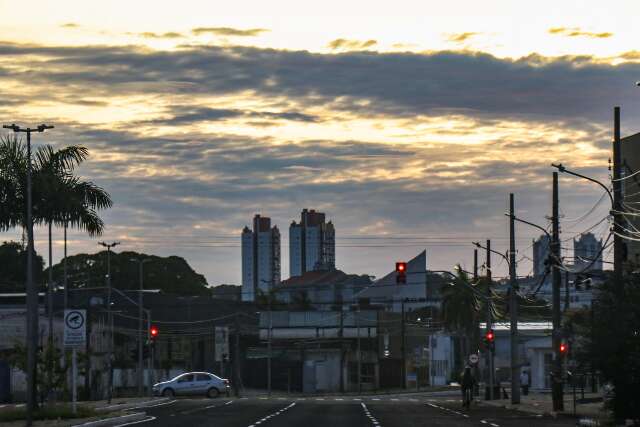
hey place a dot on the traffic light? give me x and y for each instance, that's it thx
(564, 349)
(134, 354)
(153, 333)
(401, 272)
(489, 339)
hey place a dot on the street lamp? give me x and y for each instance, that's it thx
(140, 262)
(32, 295)
(563, 169)
(504, 256)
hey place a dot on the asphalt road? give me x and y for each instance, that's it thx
(387, 411)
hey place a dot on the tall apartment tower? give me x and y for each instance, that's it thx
(312, 244)
(260, 258)
(587, 251)
(541, 248)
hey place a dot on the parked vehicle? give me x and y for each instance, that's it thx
(193, 383)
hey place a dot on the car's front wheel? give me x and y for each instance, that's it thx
(213, 392)
(168, 392)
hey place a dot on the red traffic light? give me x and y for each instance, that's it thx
(401, 272)
(490, 336)
(154, 332)
(563, 348)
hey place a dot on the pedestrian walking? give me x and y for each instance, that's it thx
(467, 383)
(524, 382)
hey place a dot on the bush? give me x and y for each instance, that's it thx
(47, 413)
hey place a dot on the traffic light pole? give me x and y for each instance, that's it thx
(150, 359)
(490, 353)
(513, 307)
(140, 321)
(556, 379)
(404, 348)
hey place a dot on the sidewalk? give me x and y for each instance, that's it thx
(247, 392)
(542, 404)
(99, 405)
(104, 411)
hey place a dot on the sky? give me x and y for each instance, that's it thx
(407, 123)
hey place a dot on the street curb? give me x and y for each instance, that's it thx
(113, 421)
(124, 406)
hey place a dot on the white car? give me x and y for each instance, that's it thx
(193, 383)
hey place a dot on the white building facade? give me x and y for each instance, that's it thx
(260, 258)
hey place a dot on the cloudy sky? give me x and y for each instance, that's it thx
(408, 123)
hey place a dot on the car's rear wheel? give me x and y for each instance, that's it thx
(213, 392)
(168, 392)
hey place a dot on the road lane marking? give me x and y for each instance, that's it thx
(373, 419)
(149, 418)
(157, 404)
(274, 414)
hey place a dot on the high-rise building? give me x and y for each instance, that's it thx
(260, 258)
(541, 249)
(587, 251)
(312, 244)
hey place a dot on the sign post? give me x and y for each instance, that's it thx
(75, 335)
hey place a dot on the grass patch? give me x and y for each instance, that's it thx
(47, 413)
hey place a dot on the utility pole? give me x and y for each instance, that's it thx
(404, 348)
(513, 307)
(141, 263)
(475, 265)
(359, 350)
(490, 355)
(109, 318)
(269, 350)
(556, 383)
(475, 280)
(32, 292)
(236, 358)
(618, 244)
(66, 292)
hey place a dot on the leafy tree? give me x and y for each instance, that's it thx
(50, 365)
(264, 300)
(13, 267)
(171, 275)
(609, 338)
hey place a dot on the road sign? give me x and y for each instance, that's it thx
(75, 328)
(473, 359)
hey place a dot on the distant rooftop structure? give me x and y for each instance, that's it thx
(320, 277)
(389, 292)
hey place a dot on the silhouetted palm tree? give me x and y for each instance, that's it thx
(59, 197)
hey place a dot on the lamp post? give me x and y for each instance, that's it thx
(109, 318)
(32, 294)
